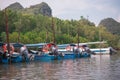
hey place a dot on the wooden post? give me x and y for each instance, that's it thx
(19, 29)
(7, 33)
(78, 38)
(47, 37)
(100, 41)
(53, 28)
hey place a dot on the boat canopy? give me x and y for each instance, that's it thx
(17, 44)
(35, 45)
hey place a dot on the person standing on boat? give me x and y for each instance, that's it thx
(24, 52)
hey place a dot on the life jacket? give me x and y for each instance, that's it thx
(11, 49)
(4, 48)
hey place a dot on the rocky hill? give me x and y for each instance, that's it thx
(15, 6)
(42, 8)
(111, 25)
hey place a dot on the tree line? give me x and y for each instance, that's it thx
(30, 28)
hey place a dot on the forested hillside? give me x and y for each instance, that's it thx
(37, 28)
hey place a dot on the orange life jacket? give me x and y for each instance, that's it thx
(4, 48)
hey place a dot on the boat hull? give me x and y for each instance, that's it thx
(12, 59)
(103, 51)
(46, 57)
(61, 56)
(16, 58)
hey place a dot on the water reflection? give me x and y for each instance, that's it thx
(102, 67)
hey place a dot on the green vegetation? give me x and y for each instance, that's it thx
(31, 28)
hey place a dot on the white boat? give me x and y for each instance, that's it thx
(102, 51)
(97, 51)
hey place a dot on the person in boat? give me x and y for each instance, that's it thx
(76, 50)
(45, 48)
(24, 52)
(54, 50)
(87, 49)
(81, 49)
(68, 48)
(12, 49)
(4, 50)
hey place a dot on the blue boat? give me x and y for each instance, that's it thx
(85, 54)
(46, 57)
(5, 60)
(14, 58)
(61, 56)
(72, 55)
(68, 50)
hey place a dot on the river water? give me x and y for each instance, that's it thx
(102, 67)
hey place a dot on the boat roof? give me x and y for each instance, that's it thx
(35, 45)
(17, 44)
(62, 45)
(87, 43)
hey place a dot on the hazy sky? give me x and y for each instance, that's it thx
(95, 10)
